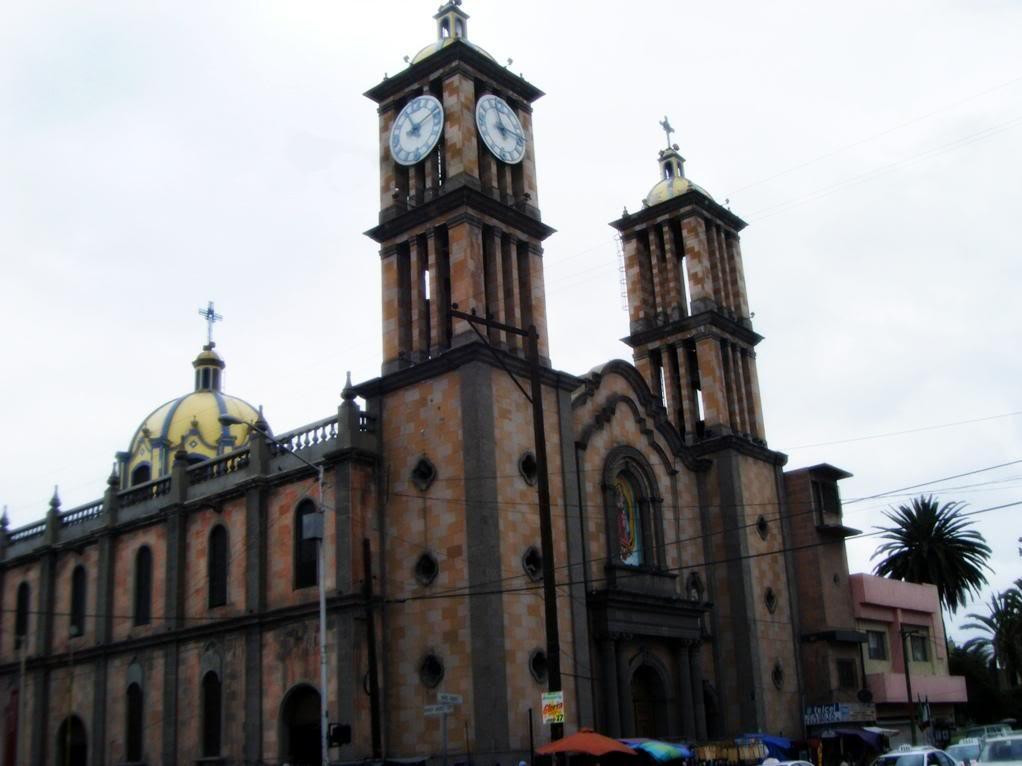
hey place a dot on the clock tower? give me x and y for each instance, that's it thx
(459, 216)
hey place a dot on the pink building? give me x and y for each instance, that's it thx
(899, 618)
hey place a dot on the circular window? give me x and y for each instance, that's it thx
(537, 665)
(777, 675)
(528, 467)
(423, 474)
(837, 579)
(762, 527)
(431, 670)
(770, 599)
(532, 563)
(426, 568)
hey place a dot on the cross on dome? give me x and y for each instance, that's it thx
(666, 125)
(211, 317)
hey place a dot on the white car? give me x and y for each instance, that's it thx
(966, 751)
(1004, 751)
(923, 755)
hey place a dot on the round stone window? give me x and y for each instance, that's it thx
(426, 568)
(538, 665)
(528, 467)
(431, 671)
(423, 474)
(770, 599)
(777, 675)
(532, 563)
(762, 527)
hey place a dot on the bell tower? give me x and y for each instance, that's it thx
(689, 320)
(459, 218)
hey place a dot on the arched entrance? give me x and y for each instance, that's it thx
(299, 727)
(649, 701)
(72, 745)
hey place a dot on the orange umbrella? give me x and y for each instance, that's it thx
(586, 741)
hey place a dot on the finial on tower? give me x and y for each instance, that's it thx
(666, 125)
(211, 317)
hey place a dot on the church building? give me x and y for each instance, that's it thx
(177, 619)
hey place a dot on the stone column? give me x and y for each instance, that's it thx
(656, 263)
(674, 304)
(696, 671)
(537, 299)
(493, 279)
(512, 310)
(685, 702)
(624, 688)
(697, 258)
(466, 262)
(389, 308)
(418, 273)
(611, 709)
(711, 378)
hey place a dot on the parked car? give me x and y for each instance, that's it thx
(906, 755)
(1004, 751)
(965, 751)
(989, 730)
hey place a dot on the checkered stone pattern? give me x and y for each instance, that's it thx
(524, 614)
(424, 420)
(198, 527)
(290, 654)
(189, 695)
(613, 423)
(126, 547)
(280, 533)
(151, 663)
(13, 577)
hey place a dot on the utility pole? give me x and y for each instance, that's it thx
(553, 643)
(906, 634)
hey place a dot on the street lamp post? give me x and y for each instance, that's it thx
(316, 529)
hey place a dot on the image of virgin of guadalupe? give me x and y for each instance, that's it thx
(629, 542)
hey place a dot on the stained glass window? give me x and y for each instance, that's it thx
(629, 521)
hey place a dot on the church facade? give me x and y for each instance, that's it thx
(177, 619)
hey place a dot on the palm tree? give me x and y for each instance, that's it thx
(932, 543)
(1003, 628)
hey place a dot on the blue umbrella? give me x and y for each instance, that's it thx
(658, 750)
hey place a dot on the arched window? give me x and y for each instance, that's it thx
(21, 615)
(217, 566)
(77, 626)
(632, 503)
(628, 525)
(211, 714)
(143, 585)
(305, 547)
(141, 474)
(133, 724)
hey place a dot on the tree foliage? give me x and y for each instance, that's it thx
(1002, 627)
(932, 543)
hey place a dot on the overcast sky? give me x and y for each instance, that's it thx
(159, 155)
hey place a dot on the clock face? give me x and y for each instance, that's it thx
(416, 130)
(500, 129)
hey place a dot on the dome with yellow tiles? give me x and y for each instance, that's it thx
(191, 422)
(672, 181)
(451, 25)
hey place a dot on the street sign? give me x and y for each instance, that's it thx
(437, 709)
(445, 698)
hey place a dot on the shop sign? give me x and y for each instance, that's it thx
(840, 712)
